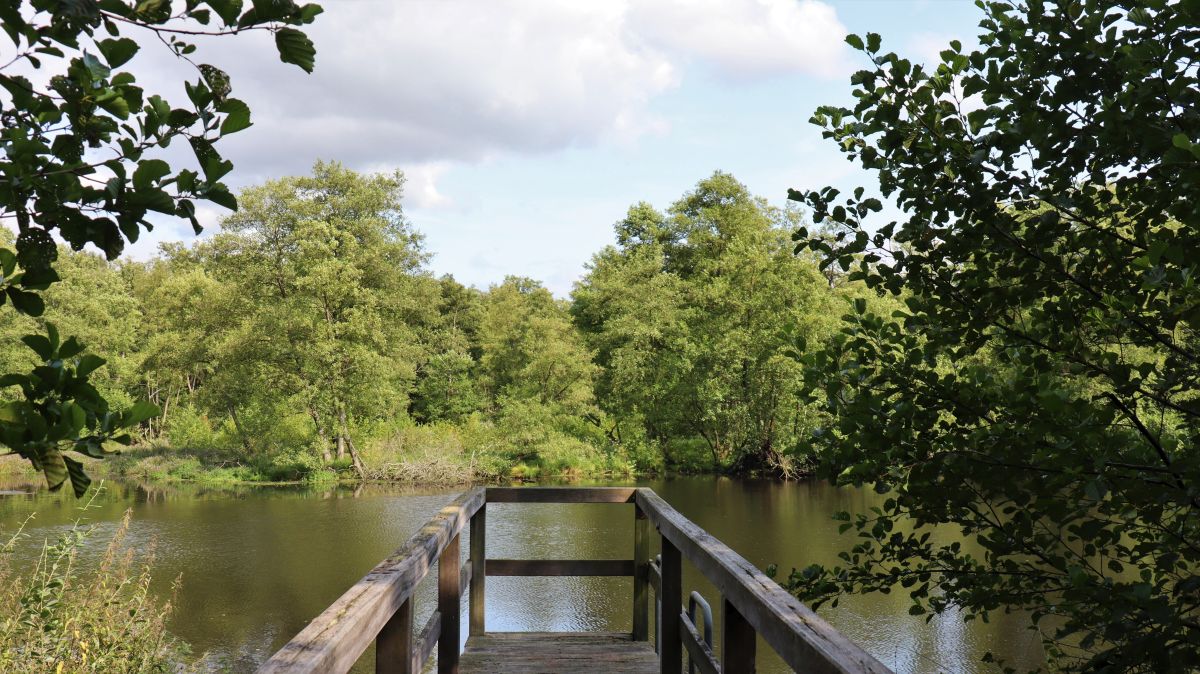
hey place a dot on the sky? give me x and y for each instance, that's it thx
(526, 128)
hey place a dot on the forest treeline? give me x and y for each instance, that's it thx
(310, 336)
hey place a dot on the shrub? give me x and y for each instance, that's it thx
(294, 463)
(57, 618)
(432, 454)
(184, 426)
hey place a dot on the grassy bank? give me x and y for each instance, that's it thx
(427, 454)
(432, 454)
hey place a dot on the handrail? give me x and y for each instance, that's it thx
(334, 640)
(379, 607)
(804, 641)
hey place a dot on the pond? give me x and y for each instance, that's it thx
(258, 563)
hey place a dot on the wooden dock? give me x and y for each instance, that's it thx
(378, 609)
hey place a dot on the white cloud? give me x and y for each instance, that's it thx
(401, 83)
(420, 188)
(748, 38)
(429, 82)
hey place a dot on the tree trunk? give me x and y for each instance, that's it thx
(354, 458)
(162, 417)
(326, 458)
(345, 441)
(237, 423)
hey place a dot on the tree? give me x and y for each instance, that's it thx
(325, 269)
(685, 314)
(1039, 389)
(447, 387)
(80, 141)
(531, 351)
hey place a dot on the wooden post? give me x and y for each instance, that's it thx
(478, 570)
(641, 575)
(670, 653)
(738, 641)
(449, 594)
(393, 645)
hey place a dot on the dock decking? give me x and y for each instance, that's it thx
(560, 652)
(379, 608)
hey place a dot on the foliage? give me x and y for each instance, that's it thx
(685, 315)
(320, 277)
(1038, 389)
(55, 617)
(309, 330)
(81, 162)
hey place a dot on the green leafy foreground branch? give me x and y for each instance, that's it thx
(1038, 391)
(79, 141)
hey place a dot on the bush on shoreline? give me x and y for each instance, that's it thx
(56, 617)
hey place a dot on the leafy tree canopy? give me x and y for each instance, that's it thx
(1039, 388)
(684, 315)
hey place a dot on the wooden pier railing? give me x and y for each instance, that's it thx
(379, 607)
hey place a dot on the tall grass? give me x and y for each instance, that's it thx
(57, 617)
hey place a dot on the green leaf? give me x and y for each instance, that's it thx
(211, 163)
(39, 279)
(150, 171)
(228, 10)
(79, 478)
(222, 197)
(855, 41)
(237, 116)
(152, 199)
(88, 364)
(27, 303)
(95, 67)
(54, 468)
(70, 348)
(75, 416)
(117, 52)
(13, 379)
(141, 411)
(185, 208)
(40, 345)
(309, 12)
(295, 48)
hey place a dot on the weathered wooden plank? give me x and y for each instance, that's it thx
(560, 494)
(560, 567)
(641, 576)
(655, 578)
(393, 646)
(804, 641)
(700, 656)
(738, 641)
(670, 648)
(334, 640)
(425, 642)
(478, 555)
(569, 653)
(464, 578)
(449, 596)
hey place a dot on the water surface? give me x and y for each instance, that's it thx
(258, 563)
